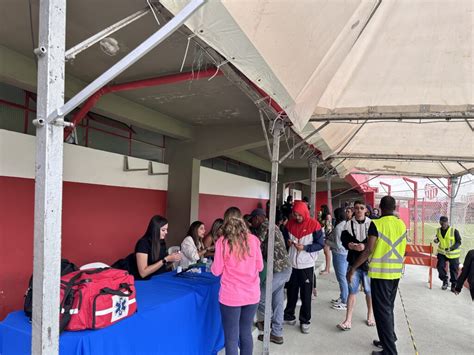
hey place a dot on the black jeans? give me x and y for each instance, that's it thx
(384, 293)
(467, 273)
(453, 268)
(237, 324)
(301, 281)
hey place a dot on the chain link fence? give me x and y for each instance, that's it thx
(422, 217)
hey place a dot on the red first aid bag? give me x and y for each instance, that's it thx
(96, 298)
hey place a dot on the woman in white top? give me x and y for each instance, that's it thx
(192, 247)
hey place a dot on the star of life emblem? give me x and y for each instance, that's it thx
(120, 305)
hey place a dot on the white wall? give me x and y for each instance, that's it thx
(86, 165)
(216, 182)
(81, 164)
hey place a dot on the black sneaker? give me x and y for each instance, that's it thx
(273, 339)
(259, 326)
(377, 343)
(453, 287)
(445, 285)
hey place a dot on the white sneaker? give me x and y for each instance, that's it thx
(336, 301)
(339, 306)
(304, 328)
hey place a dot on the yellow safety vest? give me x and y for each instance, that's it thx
(447, 242)
(386, 261)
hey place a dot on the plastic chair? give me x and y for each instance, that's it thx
(95, 265)
(172, 250)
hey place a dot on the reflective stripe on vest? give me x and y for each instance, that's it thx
(447, 242)
(386, 261)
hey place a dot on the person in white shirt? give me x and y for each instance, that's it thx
(192, 247)
(354, 239)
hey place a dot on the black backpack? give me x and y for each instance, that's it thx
(66, 268)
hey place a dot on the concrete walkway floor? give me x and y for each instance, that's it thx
(441, 322)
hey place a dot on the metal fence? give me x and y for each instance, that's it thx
(422, 217)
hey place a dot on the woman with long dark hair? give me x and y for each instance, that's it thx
(151, 255)
(238, 260)
(192, 247)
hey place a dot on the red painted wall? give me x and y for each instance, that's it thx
(100, 223)
(321, 199)
(369, 197)
(212, 207)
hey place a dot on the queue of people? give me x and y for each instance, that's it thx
(238, 245)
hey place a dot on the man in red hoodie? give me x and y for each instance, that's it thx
(306, 238)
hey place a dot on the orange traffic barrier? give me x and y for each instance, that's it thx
(421, 255)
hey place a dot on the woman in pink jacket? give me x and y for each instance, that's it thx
(238, 260)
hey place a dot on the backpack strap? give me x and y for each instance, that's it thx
(353, 231)
(68, 300)
(109, 291)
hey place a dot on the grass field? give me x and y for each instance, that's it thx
(466, 231)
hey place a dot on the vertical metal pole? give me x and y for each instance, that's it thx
(329, 194)
(314, 176)
(453, 183)
(277, 131)
(415, 214)
(48, 184)
(423, 222)
(448, 202)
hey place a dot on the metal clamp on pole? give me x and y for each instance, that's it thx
(61, 122)
(40, 51)
(39, 122)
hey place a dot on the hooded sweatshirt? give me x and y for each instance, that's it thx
(307, 233)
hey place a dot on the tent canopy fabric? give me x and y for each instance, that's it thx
(438, 149)
(326, 59)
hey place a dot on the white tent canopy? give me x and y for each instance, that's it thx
(438, 149)
(358, 59)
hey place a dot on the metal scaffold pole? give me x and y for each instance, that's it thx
(277, 132)
(453, 181)
(314, 175)
(48, 175)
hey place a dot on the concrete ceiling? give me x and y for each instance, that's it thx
(176, 110)
(199, 102)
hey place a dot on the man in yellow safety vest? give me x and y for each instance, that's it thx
(449, 250)
(386, 248)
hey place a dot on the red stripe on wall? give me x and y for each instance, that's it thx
(100, 223)
(214, 206)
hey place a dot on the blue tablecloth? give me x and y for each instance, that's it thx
(176, 315)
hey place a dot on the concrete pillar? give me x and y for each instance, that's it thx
(183, 191)
(280, 194)
(329, 189)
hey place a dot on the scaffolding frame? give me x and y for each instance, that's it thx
(50, 125)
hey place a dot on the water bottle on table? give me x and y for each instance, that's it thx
(207, 262)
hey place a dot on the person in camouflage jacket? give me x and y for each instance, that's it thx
(281, 274)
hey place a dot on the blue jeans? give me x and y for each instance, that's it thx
(237, 323)
(358, 277)
(278, 298)
(340, 264)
